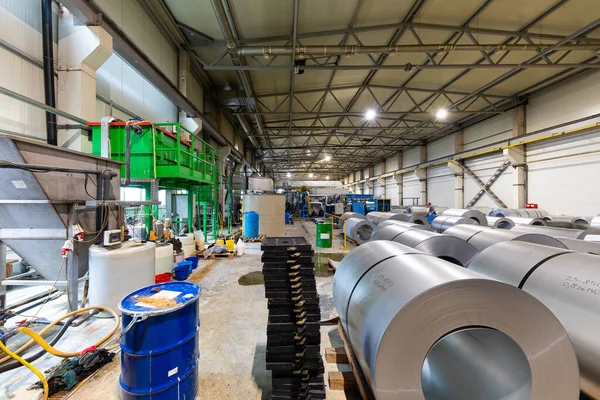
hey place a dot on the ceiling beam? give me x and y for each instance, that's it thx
(405, 67)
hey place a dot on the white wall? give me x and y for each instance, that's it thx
(440, 186)
(489, 131)
(484, 167)
(137, 26)
(20, 26)
(119, 82)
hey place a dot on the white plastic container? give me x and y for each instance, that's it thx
(189, 246)
(199, 238)
(116, 273)
(164, 259)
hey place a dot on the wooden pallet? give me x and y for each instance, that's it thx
(343, 380)
(258, 239)
(228, 255)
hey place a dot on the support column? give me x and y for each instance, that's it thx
(421, 174)
(72, 273)
(516, 155)
(81, 51)
(459, 184)
(400, 181)
(519, 121)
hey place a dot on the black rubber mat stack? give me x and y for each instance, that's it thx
(293, 334)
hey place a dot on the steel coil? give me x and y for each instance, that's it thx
(500, 223)
(568, 283)
(422, 327)
(359, 230)
(568, 221)
(449, 248)
(550, 231)
(595, 222)
(528, 221)
(422, 210)
(484, 237)
(475, 215)
(347, 215)
(519, 212)
(399, 223)
(581, 246)
(441, 223)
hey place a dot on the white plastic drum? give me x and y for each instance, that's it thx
(164, 259)
(188, 243)
(116, 273)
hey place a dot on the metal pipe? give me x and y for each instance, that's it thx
(40, 105)
(49, 91)
(349, 50)
(408, 67)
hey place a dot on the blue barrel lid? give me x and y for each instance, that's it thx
(182, 293)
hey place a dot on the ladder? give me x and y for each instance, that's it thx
(485, 187)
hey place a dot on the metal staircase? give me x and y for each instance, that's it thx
(485, 187)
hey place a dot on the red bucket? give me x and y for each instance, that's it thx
(162, 278)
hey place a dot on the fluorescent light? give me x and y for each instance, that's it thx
(311, 175)
(370, 115)
(442, 113)
(289, 175)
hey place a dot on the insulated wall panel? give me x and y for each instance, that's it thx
(411, 157)
(391, 187)
(411, 189)
(492, 130)
(563, 175)
(440, 186)
(391, 163)
(441, 148)
(573, 99)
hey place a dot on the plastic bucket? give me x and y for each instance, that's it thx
(230, 244)
(182, 271)
(159, 346)
(163, 278)
(194, 261)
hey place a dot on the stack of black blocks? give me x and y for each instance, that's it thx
(293, 333)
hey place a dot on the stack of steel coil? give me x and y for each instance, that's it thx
(293, 334)
(422, 327)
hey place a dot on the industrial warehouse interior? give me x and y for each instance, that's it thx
(300, 199)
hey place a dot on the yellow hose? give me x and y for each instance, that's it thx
(37, 338)
(31, 367)
(47, 328)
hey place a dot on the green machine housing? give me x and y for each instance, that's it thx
(165, 156)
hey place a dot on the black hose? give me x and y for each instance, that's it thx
(48, 50)
(13, 364)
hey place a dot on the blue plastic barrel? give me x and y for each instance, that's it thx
(160, 352)
(251, 224)
(288, 217)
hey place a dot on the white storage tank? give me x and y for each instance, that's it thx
(271, 212)
(114, 273)
(164, 259)
(188, 243)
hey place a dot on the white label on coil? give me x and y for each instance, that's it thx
(19, 184)
(324, 235)
(172, 372)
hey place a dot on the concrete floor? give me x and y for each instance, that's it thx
(233, 330)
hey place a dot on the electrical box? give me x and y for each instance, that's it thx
(339, 208)
(112, 238)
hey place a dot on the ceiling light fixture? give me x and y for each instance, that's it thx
(327, 177)
(311, 175)
(327, 158)
(289, 175)
(370, 115)
(442, 113)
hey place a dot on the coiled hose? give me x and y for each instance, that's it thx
(37, 338)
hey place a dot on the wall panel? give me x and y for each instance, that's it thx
(440, 186)
(484, 167)
(492, 130)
